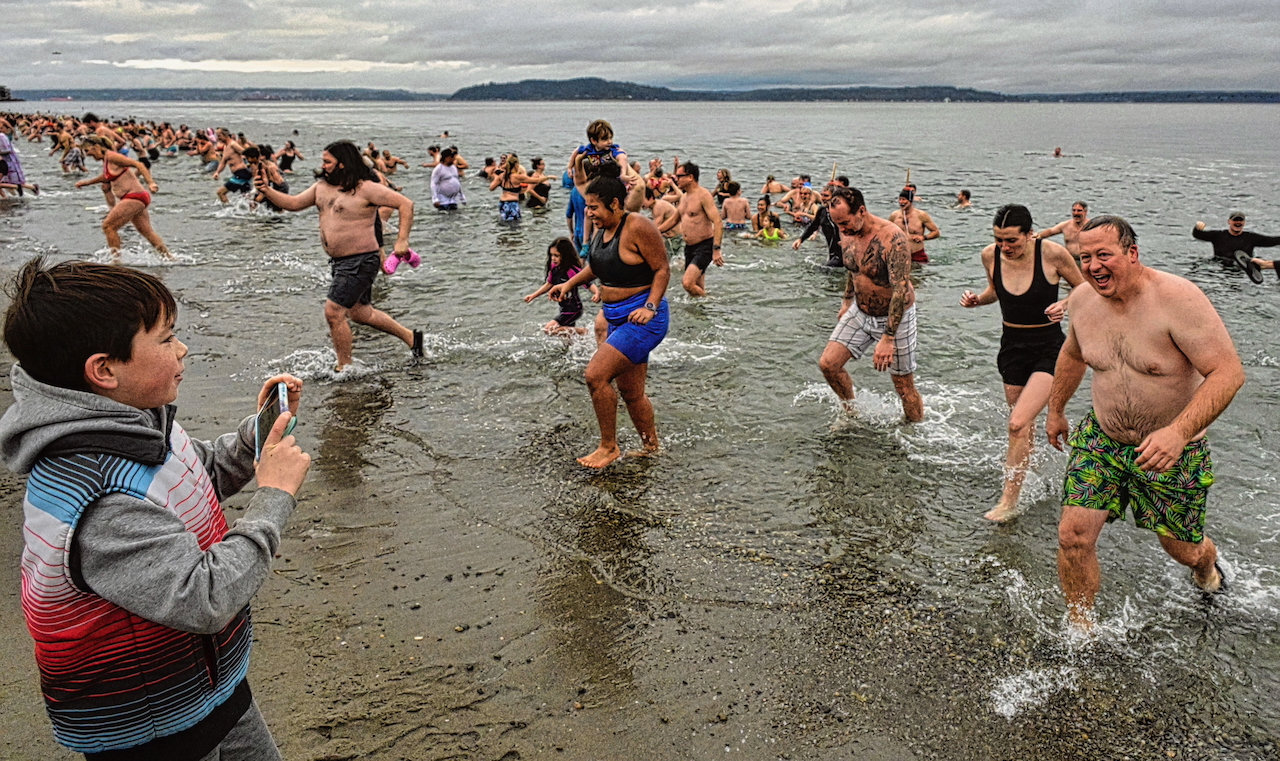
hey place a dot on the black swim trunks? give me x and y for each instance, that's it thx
(1024, 351)
(241, 181)
(353, 278)
(699, 254)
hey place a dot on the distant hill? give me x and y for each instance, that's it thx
(594, 88)
(228, 93)
(591, 88)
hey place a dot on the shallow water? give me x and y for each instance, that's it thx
(867, 540)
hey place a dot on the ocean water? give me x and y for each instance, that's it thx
(873, 529)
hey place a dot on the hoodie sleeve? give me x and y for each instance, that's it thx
(141, 557)
(229, 459)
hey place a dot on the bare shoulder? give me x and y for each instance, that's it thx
(1175, 294)
(1057, 255)
(989, 255)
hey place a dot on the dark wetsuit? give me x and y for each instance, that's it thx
(635, 341)
(1225, 245)
(822, 221)
(1027, 350)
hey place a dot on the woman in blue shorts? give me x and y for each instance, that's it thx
(630, 260)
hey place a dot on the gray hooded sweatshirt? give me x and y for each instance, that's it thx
(131, 552)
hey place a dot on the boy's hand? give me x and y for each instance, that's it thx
(283, 464)
(269, 388)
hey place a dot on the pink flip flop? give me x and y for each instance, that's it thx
(390, 265)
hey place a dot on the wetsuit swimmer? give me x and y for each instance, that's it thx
(1032, 333)
(822, 221)
(628, 256)
(1226, 243)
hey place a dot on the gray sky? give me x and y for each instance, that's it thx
(1014, 46)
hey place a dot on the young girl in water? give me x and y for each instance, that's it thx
(770, 231)
(562, 264)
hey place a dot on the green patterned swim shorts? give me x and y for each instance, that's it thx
(1102, 475)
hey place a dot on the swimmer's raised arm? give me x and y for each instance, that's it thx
(1057, 229)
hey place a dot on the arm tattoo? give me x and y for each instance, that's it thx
(899, 261)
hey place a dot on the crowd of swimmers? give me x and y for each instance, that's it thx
(1164, 366)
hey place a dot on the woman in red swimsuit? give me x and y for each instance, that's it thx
(126, 196)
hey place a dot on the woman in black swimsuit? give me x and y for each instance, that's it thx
(1032, 333)
(286, 156)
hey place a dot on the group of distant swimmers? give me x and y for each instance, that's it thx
(1164, 366)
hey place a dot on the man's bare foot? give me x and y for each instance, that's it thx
(646, 452)
(1214, 582)
(115, 256)
(1003, 512)
(1081, 619)
(166, 254)
(601, 458)
(340, 369)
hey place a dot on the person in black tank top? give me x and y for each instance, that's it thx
(1032, 333)
(635, 309)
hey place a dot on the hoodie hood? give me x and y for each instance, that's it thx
(50, 421)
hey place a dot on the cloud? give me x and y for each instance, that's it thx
(441, 45)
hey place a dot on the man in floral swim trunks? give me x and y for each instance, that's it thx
(1164, 368)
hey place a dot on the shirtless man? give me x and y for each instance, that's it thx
(736, 209)
(917, 224)
(879, 303)
(700, 223)
(434, 151)
(667, 219)
(772, 186)
(628, 257)
(349, 196)
(241, 180)
(391, 162)
(1070, 228)
(1164, 368)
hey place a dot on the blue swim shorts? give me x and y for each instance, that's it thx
(633, 340)
(509, 210)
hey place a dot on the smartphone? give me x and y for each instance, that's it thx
(276, 405)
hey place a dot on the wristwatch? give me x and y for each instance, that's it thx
(651, 306)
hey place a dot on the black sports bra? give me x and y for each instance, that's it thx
(1025, 309)
(606, 262)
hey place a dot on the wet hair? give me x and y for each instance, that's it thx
(511, 163)
(433, 149)
(450, 153)
(690, 169)
(1124, 231)
(608, 190)
(90, 118)
(964, 193)
(608, 168)
(852, 198)
(1013, 215)
(488, 161)
(733, 188)
(60, 316)
(1082, 205)
(98, 141)
(650, 194)
(265, 151)
(769, 178)
(289, 144)
(599, 130)
(842, 180)
(351, 169)
(766, 200)
(533, 162)
(568, 255)
(727, 175)
(253, 152)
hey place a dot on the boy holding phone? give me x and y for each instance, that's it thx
(135, 590)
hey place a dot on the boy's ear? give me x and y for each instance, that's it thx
(99, 373)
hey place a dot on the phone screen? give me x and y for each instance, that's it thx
(276, 405)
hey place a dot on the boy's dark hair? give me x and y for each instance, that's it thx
(252, 152)
(599, 130)
(733, 188)
(60, 316)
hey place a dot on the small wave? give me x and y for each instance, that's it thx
(242, 206)
(143, 255)
(1031, 688)
(318, 364)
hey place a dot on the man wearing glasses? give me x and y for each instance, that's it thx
(700, 223)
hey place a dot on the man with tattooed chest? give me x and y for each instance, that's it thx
(879, 303)
(1164, 368)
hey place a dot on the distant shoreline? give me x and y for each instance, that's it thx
(591, 89)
